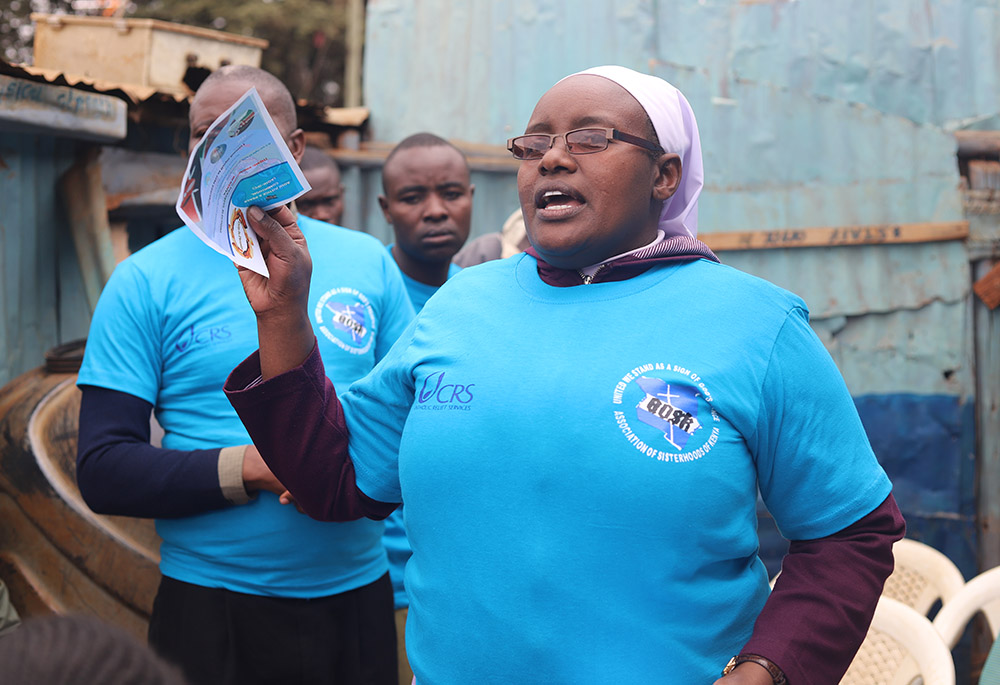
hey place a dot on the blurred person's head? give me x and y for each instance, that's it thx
(325, 201)
(75, 649)
(428, 201)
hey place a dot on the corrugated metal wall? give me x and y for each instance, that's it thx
(812, 113)
(41, 302)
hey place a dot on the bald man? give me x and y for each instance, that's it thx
(252, 591)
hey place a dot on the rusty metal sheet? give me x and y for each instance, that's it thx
(132, 93)
(133, 178)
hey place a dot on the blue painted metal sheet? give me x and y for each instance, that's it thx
(477, 68)
(852, 281)
(41, 302)
(804, 121)
(812, 113)
(931, 62)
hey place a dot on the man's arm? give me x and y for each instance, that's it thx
(120, 473)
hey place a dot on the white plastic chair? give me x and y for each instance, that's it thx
(922, 576)
(981, 593)
(901, 646)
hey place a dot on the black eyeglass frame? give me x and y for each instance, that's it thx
(609, 133)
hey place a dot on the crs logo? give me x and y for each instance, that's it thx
(208, 335)
(438, 394)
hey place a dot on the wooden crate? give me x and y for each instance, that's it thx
(143, 52)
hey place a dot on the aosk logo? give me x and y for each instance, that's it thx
(666, 412)
(345, 317)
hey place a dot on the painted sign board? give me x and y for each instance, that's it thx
(69, 112)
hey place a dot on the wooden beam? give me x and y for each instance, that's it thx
(987, 288)
(978, 143)
(86, 208)
(986, 332)
(355, 52)
(480, 158)
(830, 236)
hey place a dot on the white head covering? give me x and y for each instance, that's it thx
(677, 130)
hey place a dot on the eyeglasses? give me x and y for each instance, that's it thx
(582, 141)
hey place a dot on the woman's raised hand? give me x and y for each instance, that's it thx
(280, 301)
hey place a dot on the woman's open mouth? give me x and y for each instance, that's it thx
(553, 204)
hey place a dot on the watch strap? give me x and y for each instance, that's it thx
(777, 675)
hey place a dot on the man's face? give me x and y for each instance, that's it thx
(325, 201)
(428, 201)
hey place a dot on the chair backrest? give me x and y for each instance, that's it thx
(981, 593)
(901, 645)
(922, 576)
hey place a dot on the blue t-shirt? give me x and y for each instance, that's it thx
(580, 468)
(421, 292)
(396, 544)
(171, 323)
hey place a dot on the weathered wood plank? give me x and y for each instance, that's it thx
(830, 236)
(86, 206)
(987, 288)
(987, 333)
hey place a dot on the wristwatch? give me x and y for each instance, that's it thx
(777, 675)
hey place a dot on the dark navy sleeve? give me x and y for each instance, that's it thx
(823, 602)
(120, 473)
(298, 425)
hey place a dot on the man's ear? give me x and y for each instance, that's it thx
(472, 189)
(383, 202)
(297, 144)
(668, 176)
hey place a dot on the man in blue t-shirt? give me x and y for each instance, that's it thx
(325, 201)
(252, 590)
(428, 202)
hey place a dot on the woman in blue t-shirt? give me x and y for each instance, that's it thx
(580, 432)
